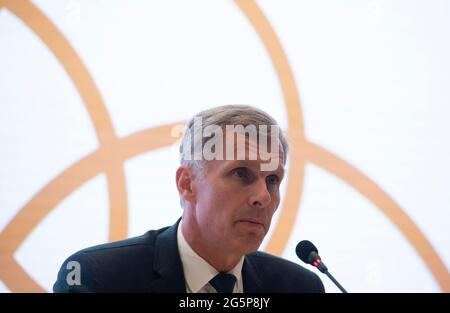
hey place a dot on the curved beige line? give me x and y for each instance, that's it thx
(15, 277)
(295, 176)
(59, 188)
(9, 265)
(71, 62)
(301, 154)
(87, 89)
(386, 204)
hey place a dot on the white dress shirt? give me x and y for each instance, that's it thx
(198, 272)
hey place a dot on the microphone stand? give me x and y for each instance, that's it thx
(335, 282)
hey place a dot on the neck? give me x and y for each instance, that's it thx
(215, 254)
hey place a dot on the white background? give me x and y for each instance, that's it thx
(372, 76)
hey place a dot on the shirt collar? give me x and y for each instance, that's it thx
(198, 272)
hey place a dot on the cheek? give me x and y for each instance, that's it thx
(277, 199)
(275, 202)
(212, 204)
(220, 194)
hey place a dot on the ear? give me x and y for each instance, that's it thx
(185, 180)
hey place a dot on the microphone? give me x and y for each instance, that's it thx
(308, 253)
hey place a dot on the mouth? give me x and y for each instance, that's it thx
(252, 224)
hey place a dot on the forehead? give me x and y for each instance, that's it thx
(254, 165)
(249, 153)
(264, 148)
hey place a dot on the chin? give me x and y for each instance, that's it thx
(250, 244)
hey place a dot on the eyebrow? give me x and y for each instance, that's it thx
(280, 170)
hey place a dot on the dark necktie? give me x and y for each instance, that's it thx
(223, 282)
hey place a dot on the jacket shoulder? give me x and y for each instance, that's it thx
(147, 239)
(281, 275)
(119, 263)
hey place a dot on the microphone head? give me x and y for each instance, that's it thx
(304, 249)
(308, 253)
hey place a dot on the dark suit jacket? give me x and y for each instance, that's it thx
(151, 263)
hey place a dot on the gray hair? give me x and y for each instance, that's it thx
(221, 116)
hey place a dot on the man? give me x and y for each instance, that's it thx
(232, 165)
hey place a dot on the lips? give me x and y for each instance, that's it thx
(252, 223)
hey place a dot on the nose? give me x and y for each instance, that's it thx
(260, 195)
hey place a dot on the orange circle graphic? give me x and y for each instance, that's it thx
(114, 151)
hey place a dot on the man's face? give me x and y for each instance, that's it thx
(235, 202)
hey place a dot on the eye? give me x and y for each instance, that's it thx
(241, 172)
(272, 180)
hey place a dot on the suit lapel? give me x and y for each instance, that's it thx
(251, 276)
(167, 263)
